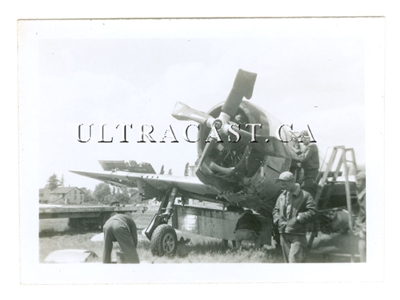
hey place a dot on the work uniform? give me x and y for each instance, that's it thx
(310, 165)
(292, 211)
(360, 228)
(122, 229)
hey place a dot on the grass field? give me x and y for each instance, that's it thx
(55, 235)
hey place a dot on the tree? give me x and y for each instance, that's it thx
(134, 196)
(101, 191)
(88, 197)
(53, 182)
(123, 196)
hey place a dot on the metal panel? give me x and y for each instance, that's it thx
(205, 221)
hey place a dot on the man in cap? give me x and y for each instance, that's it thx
(360, 228)
(293, 210)
(122, 229)
(309, 163)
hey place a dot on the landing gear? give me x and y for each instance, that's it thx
(164, 241)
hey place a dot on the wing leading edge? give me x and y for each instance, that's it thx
(155, 185)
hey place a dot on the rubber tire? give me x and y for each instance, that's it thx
(164, 241)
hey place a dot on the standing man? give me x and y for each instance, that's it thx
(360, 227)
(122, 229)
(310, 163)
(293, 209)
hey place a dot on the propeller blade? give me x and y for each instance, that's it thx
(183, 112)
(218, 169)
(207, 150)
(242, 87)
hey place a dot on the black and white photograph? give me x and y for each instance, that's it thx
(193, 150)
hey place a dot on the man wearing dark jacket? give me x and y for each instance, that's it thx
(309, 163)
(122, 229)
(293, 209)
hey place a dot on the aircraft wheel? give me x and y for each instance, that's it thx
(164, 241)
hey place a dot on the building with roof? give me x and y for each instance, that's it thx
(44, 195)
(66, 195)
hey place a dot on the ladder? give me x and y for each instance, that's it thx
(339, 159)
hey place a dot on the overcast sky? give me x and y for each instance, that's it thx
(310, 72)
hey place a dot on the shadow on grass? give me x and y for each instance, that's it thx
(216, 251)
(201, 249)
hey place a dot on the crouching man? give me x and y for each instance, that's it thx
(122, 229)
(254, 228)
(293, 209)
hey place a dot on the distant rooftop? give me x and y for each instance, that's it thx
(63, 190)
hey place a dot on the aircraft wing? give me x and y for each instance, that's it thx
(155, 185)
